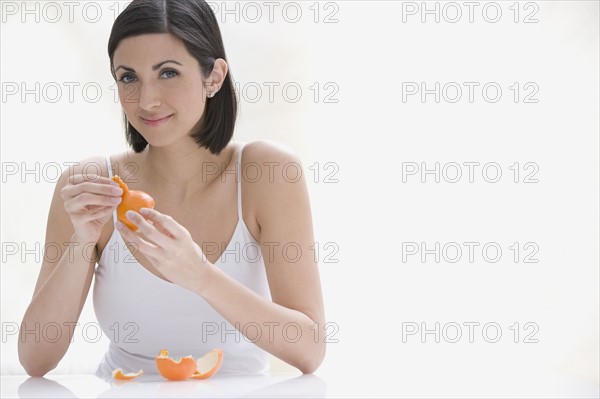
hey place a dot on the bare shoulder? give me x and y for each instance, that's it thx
(93, 165)
(270, 166)
(267, 150)
(273, 173)
(274, 163)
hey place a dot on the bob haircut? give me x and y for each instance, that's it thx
(194, 22)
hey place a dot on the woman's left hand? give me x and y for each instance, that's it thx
(168, 246)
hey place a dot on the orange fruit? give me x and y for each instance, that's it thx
(208, 364)
(179, 370)
(131, 200)
(118, 375)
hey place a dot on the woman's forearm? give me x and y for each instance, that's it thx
(286, 333)
(54, 310)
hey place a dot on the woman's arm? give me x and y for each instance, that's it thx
(57, 303)
(284, 217)
(61, 290)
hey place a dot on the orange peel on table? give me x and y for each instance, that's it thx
(131, 200)
(118, 375)
(187, 367)
(182, 369)
(179, 370)
(209, 364)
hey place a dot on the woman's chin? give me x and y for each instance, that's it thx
(168, 141)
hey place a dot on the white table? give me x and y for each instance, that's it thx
(154, 386)
(385, 383)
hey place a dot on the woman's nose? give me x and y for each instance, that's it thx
(149, 97)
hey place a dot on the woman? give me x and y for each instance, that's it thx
(190, 278)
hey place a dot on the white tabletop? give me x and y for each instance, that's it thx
(154, 386)
(297, 385)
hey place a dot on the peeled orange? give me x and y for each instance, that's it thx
(179, 370)
(131, 200)
(118, 375)
(208, 364)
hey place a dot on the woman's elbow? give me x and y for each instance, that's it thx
(35, 371)
(310, 367)
(33, 368)
(313, 362)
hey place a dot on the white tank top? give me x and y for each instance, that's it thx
(141, 313)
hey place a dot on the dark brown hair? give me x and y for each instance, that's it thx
(194, 22)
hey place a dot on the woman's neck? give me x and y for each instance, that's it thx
(180, 173)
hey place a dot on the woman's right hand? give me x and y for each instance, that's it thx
(90, 201)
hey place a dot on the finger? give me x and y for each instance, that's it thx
(134, 249)
(99, 213)
(80, 203)
(164, 223)
(93, 208)
(90, 177)
(149, 230)
(146, 248)
(95, 214)
(73, 190)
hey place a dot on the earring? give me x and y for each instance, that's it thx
(211, 95)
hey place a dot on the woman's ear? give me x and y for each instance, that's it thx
(217, 76)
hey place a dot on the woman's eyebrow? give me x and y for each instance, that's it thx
(154, 67)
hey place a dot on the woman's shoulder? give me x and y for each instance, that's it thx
(270, 166)
(263, 150)
(278, 188)
(96, 164)
(274, 170)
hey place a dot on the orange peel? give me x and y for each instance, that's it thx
(209, 364)
(131, 200)
(119, 375)
(179, 370)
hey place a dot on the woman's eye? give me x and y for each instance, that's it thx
(127, 79)
(169, 74)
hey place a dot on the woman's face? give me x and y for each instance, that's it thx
(160, 86)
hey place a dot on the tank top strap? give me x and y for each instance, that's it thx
(239, 183)
(110, 175)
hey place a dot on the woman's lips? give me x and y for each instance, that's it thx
(156, 121)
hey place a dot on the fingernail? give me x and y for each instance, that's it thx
(130, 215)
(117, 191)
(115, 200)
(120, 225)
(145, 211)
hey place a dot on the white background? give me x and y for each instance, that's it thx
(369, 52)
